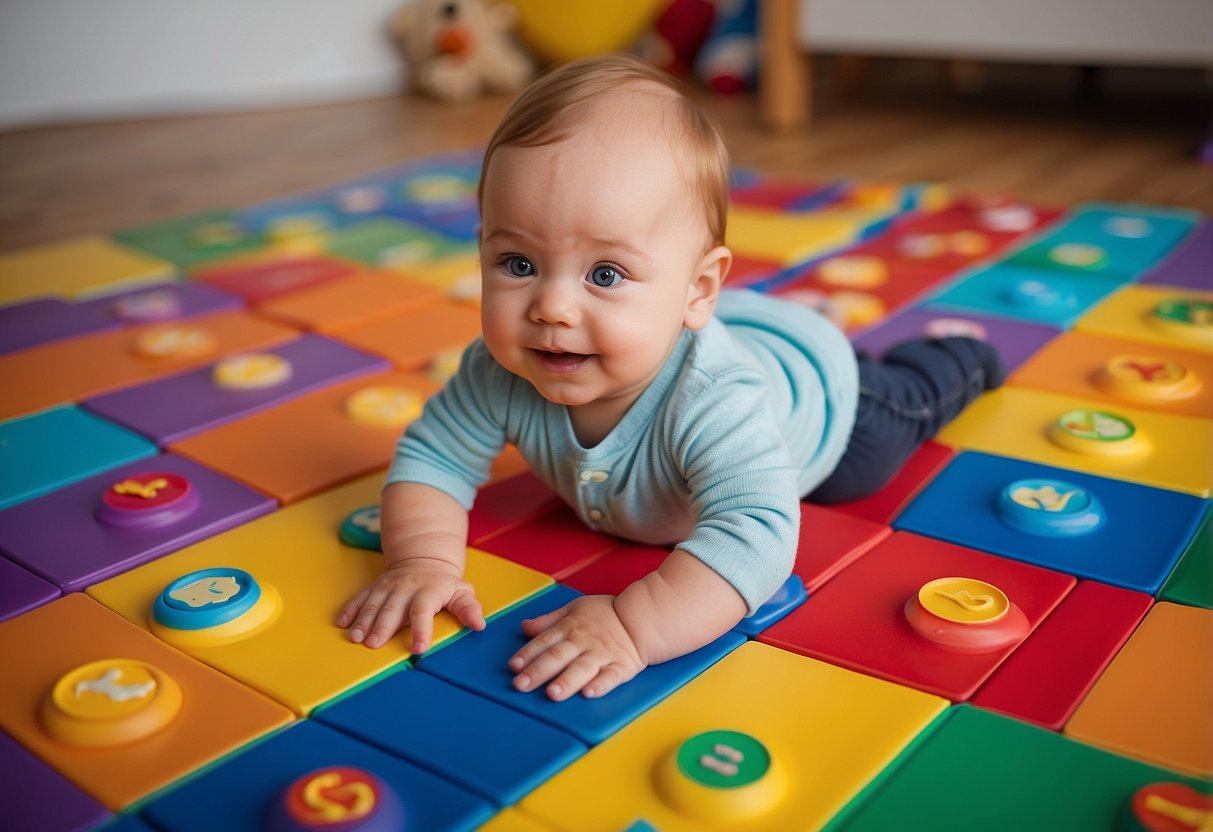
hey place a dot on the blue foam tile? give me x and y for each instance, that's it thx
(477, 662)
(1026, 293)
(53, 448)
(1131, 238)
(1143, 532)
(125, 823)
(238, 794)
(36, 798)
(787, 598)
(22, 590)
(485, 747)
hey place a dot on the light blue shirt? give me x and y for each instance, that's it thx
(746, 416)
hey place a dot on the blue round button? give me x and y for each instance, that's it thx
(206, 598)
(1051, 508)
(1033, 293)
(361, 529)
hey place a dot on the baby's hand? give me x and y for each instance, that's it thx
(585, 643)
(411, 592)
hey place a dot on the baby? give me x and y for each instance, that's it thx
(658, 407)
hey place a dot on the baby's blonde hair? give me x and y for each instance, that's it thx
(546, 109)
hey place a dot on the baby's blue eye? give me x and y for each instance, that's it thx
(520, 267)
(605, 276)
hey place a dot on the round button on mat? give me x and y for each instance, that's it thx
(1040, 294)
(856, 309)
(949, 327)
(174, 341)
(148, 307)
(440, 188)
(1133, 228)
(721, 777)
(110, 702)
(216, 235)
(965, 615)
(1078, 256)
(251, 371)
(1146, 378)
(855, 271)
(1190, 319)
(206, 598)
(1096, 433)
(361, 529)
(384, 406)
(342, 798)
(1167, 807)
(148, 499)
(1051, 508)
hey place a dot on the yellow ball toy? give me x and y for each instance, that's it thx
(557, 30)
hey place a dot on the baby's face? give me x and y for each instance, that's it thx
(589, 251)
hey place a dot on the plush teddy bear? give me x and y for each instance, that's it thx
(458, 49)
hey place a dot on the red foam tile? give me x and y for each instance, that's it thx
(614, 570)
(508, 503)
(887, 503)
(830, 541)
(556, 543)
(1047, 678)
(260, 277)
(857, 619)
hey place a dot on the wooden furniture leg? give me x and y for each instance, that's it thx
(783, 87)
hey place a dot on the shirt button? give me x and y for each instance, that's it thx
(599, 476)
(595, 515)
(585, 475)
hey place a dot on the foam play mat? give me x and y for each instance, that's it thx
(1015, 633)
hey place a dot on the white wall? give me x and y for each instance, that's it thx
(63, 60)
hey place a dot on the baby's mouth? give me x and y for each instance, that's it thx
(562, 362)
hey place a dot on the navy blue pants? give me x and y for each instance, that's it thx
(904, 399)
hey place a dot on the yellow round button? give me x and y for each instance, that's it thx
(252, 371)
(969, 243)
(174, 341)
(721, 777)
(1145, 377)
(445, 365)
(963, 600)
(110, 702)
(857, 309)
(922, 246)
(1096, 432)
(1077, 255)
(384, 406)
(858, 271)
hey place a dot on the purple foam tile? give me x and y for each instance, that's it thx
(1017, 341)
(22, 590)
(39, 799)
(1191, 264)
(173, 408)
(42, 320)
(163, 302)
(60, 538)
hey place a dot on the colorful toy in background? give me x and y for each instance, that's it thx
(559, 30)
(714, 42)
(192, 443)
(459, 49)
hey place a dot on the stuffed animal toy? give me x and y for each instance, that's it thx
(458, 49)
(728, 62)
(677, 35)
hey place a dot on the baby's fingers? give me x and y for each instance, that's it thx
(421, 619)
(464, 606)
(350, 610)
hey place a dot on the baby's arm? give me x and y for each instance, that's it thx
(596, 643)
(424, 534)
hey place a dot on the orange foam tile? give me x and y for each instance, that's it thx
(77, 368)
(352, 302)
(1123, 372)
(217, 715)
(411, 341)
(311, 443)
(76, 268)
(1155, 701)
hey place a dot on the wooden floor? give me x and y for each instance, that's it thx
(1037, 139)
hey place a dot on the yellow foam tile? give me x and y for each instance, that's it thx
(1163, 450)
(804, 738)
(76, 268)
(297, 654)
(162, 716)
(789, 238)
(411, 341)
(1155, 701)
(1186, 319)
(512, 820)
(458, 278)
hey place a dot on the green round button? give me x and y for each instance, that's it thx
(723, 759)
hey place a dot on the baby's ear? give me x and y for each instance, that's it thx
(705, 288)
